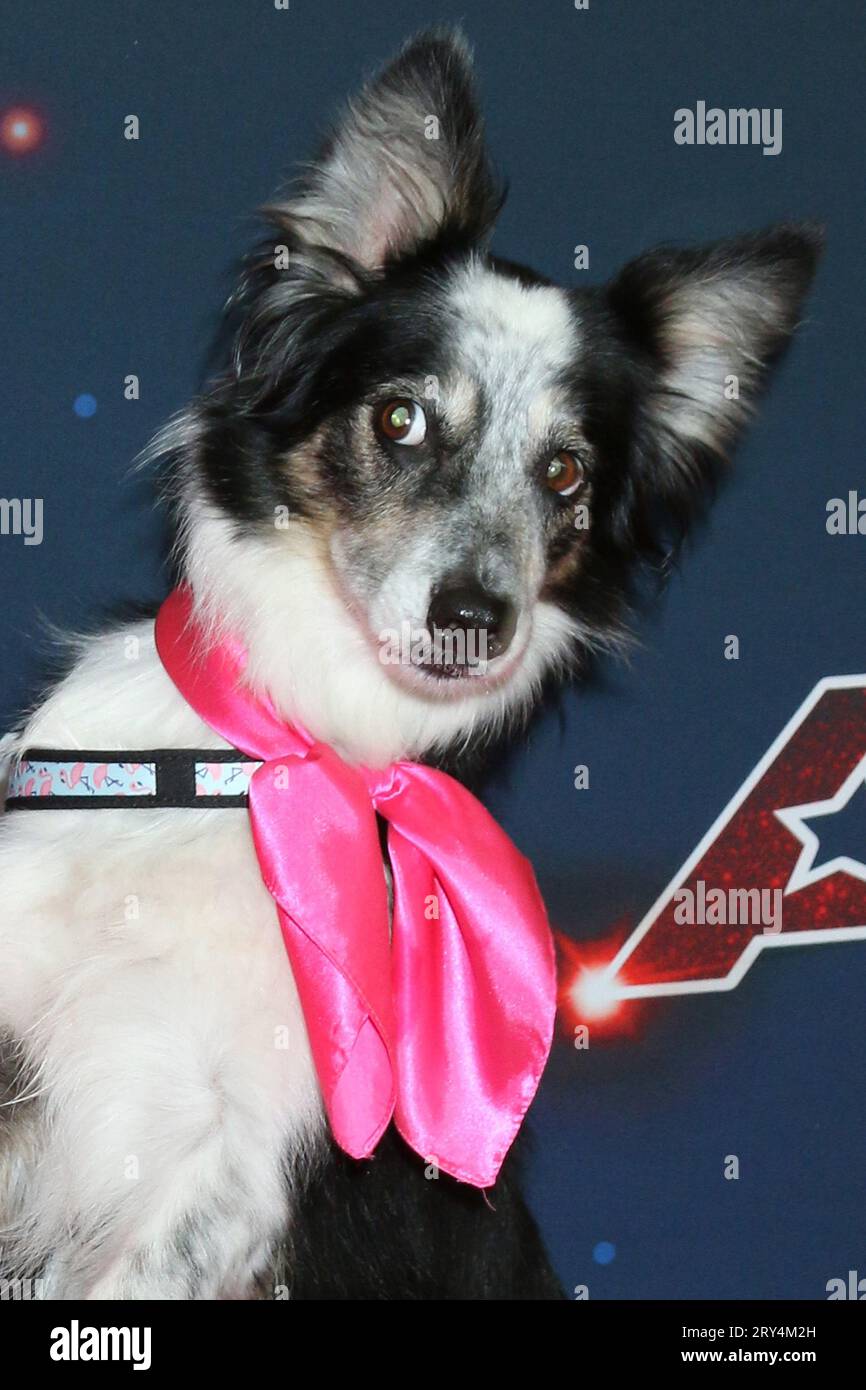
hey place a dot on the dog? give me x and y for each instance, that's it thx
(407, 434)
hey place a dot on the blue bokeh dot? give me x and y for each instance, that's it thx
(84, 405)
(604, 1252)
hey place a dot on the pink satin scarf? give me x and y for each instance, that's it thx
(444, 1023)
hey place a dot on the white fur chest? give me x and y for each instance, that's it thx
(146, 978)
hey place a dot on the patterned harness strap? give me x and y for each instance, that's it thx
(62, 779)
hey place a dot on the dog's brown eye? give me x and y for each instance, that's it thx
(403, 422)
(564, 473)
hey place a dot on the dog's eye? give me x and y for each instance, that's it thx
(564, 473)
(403, 422)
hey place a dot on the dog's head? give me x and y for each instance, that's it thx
(429, 475)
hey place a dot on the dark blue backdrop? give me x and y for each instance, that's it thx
(115, 258)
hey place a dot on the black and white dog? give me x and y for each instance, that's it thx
(410, 432)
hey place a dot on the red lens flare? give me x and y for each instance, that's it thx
(589, 993)
(21, 130)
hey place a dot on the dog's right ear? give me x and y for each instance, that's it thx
(706, 324)
(407, 164)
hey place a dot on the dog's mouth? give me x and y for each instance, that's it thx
(449, 662)
(448, 671)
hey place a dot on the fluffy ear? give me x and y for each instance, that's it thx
(705, 325)
(407, 163)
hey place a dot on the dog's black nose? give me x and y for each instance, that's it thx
(463, 605)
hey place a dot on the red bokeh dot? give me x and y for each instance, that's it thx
(21, 130)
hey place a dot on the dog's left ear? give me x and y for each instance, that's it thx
(406, 165)
(703, 327)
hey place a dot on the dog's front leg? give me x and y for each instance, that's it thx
(129, 1197)
(167, 1108)
(164, 1049)
(152, 1181)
